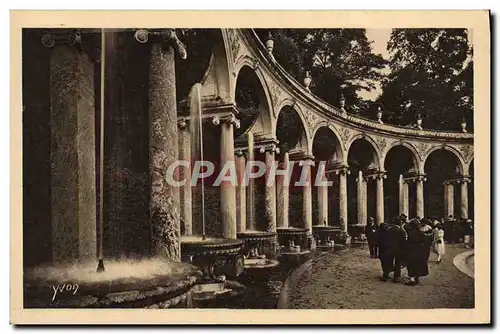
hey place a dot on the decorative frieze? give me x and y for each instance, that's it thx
(467, 152)
(234, 43)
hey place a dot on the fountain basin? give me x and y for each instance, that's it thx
(295, 236)
(215, 295)
(357, 233)
(214, 256)
(252, 264)
(258, 244)
(325, 236)
(133, 283)
(335, 233)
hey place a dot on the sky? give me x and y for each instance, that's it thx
(379, 37)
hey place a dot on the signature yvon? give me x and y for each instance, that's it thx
(64, 288)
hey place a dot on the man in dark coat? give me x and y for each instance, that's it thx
(416, 249)
(391, 238)
(371, 237)
(450, 229)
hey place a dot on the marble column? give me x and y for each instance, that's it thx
(323, 201)
(307, 198)
(343, 197)
(380, 198)
(420, 196)
(241, 205)
(406, 199)
(464, 198)
(185, 174)
(270, 189)
(72, 154)
(227, 188)
(164, 205)
(364, 207)
(401, 183)
(449, 197)
(283, 193)
(361, 198)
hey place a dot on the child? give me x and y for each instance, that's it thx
(438, 242)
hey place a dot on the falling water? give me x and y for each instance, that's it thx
(250, 194)
(196, 130)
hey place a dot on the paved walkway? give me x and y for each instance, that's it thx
(350, 280)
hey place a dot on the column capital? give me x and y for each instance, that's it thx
(376, 175)
(415, 178)
(183, 123)
(464, 179)
(228, 119)
(53, 37)
(341, 170)
(87, 40)
(167, 36)
(269, 148)
(296, 155)
(239, 152)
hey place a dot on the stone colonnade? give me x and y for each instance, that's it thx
(449, 196)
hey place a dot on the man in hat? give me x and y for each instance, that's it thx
(371, 237)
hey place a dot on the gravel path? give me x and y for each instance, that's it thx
(350, 280)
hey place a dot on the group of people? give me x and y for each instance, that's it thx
(402, 243)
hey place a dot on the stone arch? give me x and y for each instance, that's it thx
(377, 159)
(419, 166)
(265, 120)
(217, 81)
(305, 142)
(461, 162)
(342, 156)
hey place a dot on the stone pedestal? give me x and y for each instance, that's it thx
(164, 197)
(420, 196)
(72, 155)
(241, 204)
(270, 189)
(227, 188)
(185, 174)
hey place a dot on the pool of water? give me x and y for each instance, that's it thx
(470, 262)
(263, 288)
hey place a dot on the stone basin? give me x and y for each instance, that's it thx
(218, 294)
(258, 244)
(299, 237)
(356, 231)
(260, 263)
(127, 283)
(324, 235)
(214, 256)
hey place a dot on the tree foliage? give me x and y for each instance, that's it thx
(431, 75)
(339, 61)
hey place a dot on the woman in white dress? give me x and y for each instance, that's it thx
(438, 243)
